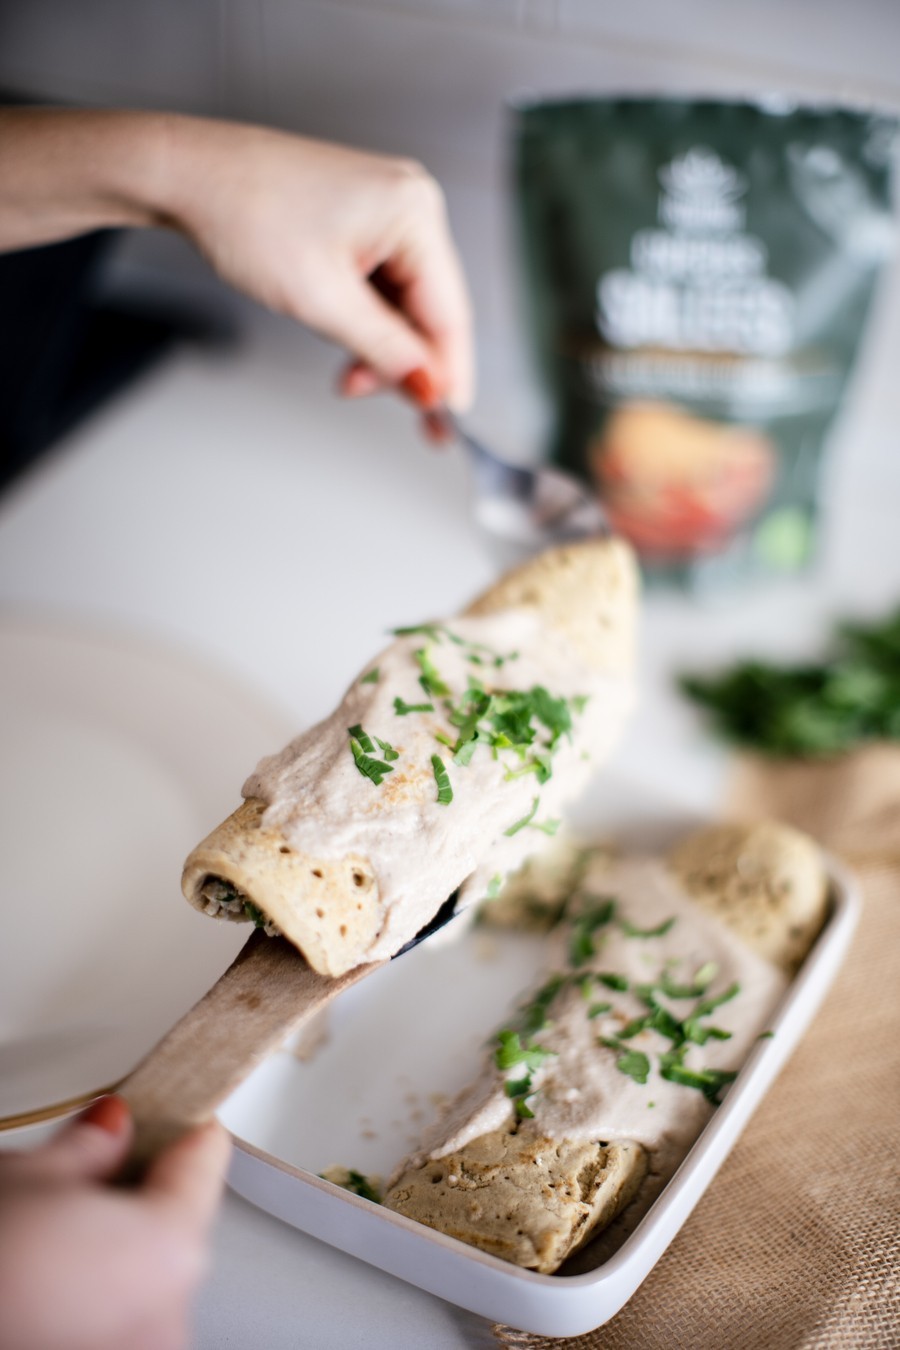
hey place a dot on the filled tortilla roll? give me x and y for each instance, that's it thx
(593, 1093)
(450, 759)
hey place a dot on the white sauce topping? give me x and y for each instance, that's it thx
(581, 1093)
(419, 849)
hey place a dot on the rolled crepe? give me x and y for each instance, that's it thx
(348, 860)
(599, 1122)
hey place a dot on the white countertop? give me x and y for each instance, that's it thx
(228, 504)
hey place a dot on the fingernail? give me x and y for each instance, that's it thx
(420, 387)
(107, 1113)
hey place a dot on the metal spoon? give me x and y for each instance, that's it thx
(525, 508)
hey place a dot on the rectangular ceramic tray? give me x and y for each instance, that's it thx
(414, 1031)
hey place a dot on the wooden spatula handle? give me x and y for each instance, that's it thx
(267, 993)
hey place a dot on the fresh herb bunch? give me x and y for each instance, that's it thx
(812, 709)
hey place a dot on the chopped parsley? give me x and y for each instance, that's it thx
(698, 986)
(529, 724)
(710, 1004)
(374, 769)
(633, 1063)
(682, 1033)
(430, 630)
(708, 1081)
(526, 820)
(599, 913)
(366, 742)
(442, 778)
(403, 709)
(430, 680)
(534, 1014)
(613, 980)
(632, 930)
(512, 1054)
(494, 887)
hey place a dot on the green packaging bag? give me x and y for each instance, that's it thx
(699, 275)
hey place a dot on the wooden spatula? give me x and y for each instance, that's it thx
(267, 993)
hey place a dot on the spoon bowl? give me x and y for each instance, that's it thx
(527, 508)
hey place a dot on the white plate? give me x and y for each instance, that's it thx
(417, 1028)
(118, 755)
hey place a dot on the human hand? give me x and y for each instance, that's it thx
(86, 1266)
(355, 245)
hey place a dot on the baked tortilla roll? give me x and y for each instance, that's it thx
(596, 1090)
(450, 759)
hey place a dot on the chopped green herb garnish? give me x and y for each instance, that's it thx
(633, 1063)
(539, 764)
(526, 820)
(402, 709)
(596, 1009)
(511, 1052)
(430, 680)
(598, 914)
(495, 885)
(613, 981)
(709, 1004)
(708, 1081)
(429, 630)
(705, 975)
(765, 1035)
(372, 677)
(631, 930)
(442, 778)
(694, 1030)
(374, 769)
(387, 749)
(365, 741)
(699, 985)
(534, 1016)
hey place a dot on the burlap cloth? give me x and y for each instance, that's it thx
(795, 1244)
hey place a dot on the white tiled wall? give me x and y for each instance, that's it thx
(431, 78)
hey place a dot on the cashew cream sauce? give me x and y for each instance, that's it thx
(421, 850)
(581, 1094)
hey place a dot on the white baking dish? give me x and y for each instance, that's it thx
(416, 1028)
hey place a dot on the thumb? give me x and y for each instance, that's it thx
(90, 1147)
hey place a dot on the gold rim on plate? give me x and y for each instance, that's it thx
(55, 1109)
